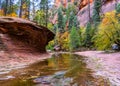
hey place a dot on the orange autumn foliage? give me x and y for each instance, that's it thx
(1, 12)
(12, 15)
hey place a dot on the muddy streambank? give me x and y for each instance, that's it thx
(104, 64)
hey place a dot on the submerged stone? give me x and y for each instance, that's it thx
(43, 80)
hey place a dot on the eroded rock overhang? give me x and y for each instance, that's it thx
(29, 34)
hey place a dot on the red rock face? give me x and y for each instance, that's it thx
(83, 15)
(83, 3)
(63, 2)
(23, 34)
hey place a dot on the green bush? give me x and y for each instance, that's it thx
(50, 45)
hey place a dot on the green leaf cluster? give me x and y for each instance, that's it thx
(96, 12)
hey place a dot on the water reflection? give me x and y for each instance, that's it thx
(59, 70)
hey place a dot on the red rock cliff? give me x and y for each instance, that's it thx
(83, 15)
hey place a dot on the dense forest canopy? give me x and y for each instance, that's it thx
(26, 9)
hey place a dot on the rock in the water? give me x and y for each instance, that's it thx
(43, 80)
(57, 79)
(27, 32)
(57, 48)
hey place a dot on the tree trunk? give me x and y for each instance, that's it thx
(0, 4)
(33, 10)
(46, 13)
(6, 8)
(20, 13)
(28, 9)
(11, 9)
(89, 11)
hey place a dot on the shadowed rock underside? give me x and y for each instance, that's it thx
(24, 34)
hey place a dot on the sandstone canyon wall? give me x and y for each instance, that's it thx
(83, 14)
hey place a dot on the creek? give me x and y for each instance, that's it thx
(62, 69)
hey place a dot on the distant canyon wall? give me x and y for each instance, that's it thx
(83, 14)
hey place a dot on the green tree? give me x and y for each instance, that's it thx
(9, 7)
(96, 12)
(6, 7)
(0, 4)
(89, 33)
(70, 8)
(76, 22)
(12, 7)
(21, 8)
(39, 17)
(74, 39)
(42, 14)
(71, 20)
(44, 6)
(118, 11)
(60, 21)
(118, 8)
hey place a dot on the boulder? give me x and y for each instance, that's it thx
(115, 47)
(27, 32)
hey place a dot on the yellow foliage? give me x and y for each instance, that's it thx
(50, 26)
(64, 41)
(1, 12)
(13, 15)
(109, 17)
(23, 16)
(108, 32)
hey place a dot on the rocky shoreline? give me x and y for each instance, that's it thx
(104, 64)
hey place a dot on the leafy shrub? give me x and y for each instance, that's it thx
(50, 45)
(50, 27)
(39, 17)
(64, 41)
(108, 32)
